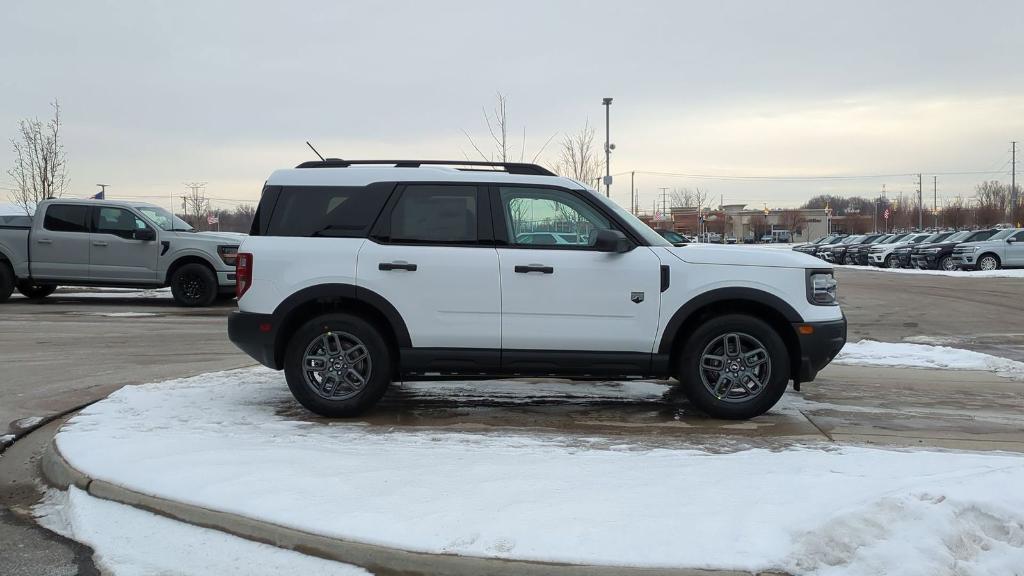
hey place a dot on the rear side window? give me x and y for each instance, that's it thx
(335, 211)
(66, 218)
(436, 214)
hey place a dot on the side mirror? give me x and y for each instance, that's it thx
(145, 234)
(1011, 240)
(611, 241)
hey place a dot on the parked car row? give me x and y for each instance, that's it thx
(988, 249)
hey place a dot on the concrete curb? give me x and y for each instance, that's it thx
(376, 559)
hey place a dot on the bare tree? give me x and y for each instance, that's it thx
(793, 221)
(498, 132)
(682, 198)
(40, 166)
(578, 158)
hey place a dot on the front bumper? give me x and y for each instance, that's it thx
(903, 258)
(256, 335)
(876, 259)
(924, 261)
(818, 348)
(965, 261)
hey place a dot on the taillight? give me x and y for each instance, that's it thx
(243, 273)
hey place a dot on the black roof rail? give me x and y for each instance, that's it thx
(509, 167)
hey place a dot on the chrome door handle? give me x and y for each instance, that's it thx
(99, 243)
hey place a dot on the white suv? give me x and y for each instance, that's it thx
(357, 273)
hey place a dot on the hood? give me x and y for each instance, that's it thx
(742, 256)
(218, 237)
(935, 245)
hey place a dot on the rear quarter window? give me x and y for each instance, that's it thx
(334, 211)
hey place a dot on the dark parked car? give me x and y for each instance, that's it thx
(841, 252)
(828, 252)
(939, 255)
(902, 255)
(858, 253)
(812, 246)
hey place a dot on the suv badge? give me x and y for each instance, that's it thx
(636, 297)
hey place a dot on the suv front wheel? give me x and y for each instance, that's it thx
(337, 365)
(735, 367)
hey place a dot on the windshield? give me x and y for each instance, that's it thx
(852, 239)
(1002, 234)
(672, 236)
(645, 231)
(958, 236)
(164, 219)
(896, 238)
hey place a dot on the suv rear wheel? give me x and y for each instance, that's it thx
(988, 262)
(734, 366)
(36, 291)
(337, 365)
(194, 285)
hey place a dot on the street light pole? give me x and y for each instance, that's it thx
(607, 102)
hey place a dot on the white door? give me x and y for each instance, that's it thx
(429, 265)
(557, 292)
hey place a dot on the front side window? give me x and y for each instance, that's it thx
(544, 217)
(67, 218)
(435, 214)
(118, 222)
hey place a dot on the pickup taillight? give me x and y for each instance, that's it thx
(243, 273)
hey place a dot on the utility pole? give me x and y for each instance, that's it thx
(935, 200)
(1013, 184)
(607, 148)
(663, 194)
(632, 192)
(920, 205)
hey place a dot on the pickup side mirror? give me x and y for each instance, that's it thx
(144, 234)
(611, 241)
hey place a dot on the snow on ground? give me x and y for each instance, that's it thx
(26, 423)
(78, 292)
(129, 542)
(902, 354)
(225, 441)
(1010, 273)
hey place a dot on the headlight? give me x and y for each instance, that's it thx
(821, 288)
(933, 250)
(228, 254)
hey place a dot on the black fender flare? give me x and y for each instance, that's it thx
(703, 299)
(335, 291)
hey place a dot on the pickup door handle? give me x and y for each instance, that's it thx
(388, 266)
(100, 243)
(44, 241)
(534, 268)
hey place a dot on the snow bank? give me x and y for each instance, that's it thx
(226, 441)
(872, 353)
(128, 541)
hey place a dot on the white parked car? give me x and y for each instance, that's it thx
(882, 254)
(357, 273)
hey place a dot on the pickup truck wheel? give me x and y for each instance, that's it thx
(194, 285)
(337, 365)
(6, 281)
(36, 291)
(735, 367)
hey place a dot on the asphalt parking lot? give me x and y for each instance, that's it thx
(66, 351)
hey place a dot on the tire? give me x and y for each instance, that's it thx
(891, 262)
(194, 285)
(987, 262)
(36, 291)
(947, 263)
(6, 281)
(709, 339)
(333, 397)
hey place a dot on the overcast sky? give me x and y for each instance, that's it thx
(156, 94)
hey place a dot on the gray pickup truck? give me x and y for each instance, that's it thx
(114, 243)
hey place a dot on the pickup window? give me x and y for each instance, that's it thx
(118, 221)
(66, 218)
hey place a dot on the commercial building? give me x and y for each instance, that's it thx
(744, 224)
